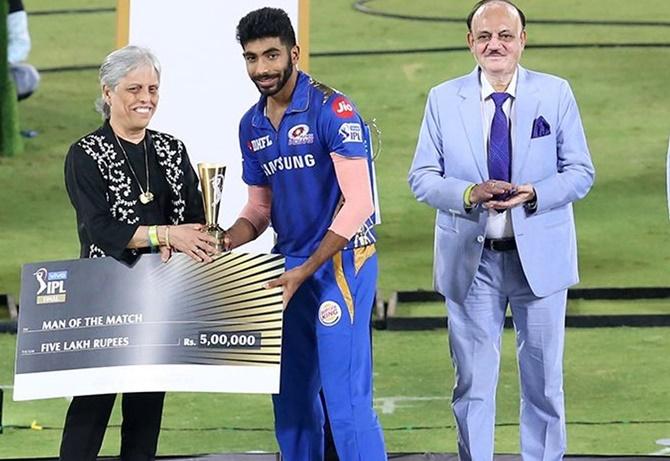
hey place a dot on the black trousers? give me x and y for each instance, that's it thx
(87, 419)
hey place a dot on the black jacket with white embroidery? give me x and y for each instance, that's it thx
(105, 193)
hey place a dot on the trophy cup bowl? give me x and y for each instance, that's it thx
(211, 186)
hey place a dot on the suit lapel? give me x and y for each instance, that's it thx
(527, 104)
(470, 110)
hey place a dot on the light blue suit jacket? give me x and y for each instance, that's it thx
(451, 155)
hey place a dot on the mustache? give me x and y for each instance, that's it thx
(265, 75)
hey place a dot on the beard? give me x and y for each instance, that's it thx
(283, 76)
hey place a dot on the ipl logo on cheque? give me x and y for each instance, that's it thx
(51, 286)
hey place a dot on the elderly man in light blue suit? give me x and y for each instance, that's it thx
(502, 155)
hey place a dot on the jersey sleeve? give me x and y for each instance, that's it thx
(341, 127)
(252, 173)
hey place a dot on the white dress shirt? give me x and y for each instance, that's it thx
(498, 225)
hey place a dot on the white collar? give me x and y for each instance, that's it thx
(487, 89)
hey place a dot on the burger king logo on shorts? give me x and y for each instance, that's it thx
(329, 313)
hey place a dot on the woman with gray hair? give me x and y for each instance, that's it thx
(134, 191)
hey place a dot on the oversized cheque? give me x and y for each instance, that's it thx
(96, 326)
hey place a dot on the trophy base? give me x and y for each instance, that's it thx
(218, 233)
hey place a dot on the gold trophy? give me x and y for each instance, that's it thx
(211, 185)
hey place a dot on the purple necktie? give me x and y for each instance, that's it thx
(499, 142)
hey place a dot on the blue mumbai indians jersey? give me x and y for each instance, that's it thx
(295, 162)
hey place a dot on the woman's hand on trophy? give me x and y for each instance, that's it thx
(166, 253)
(191, 240)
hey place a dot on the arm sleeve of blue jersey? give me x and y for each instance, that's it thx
(342, 128)
(252, 173)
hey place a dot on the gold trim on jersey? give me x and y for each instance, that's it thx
(325, 89)
(362, 254)
(342, 284)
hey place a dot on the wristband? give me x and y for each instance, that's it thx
(153, 236)
(466, 196)
(167, 236)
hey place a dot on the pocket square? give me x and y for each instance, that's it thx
(540, 128)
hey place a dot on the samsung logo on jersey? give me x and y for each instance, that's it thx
(293, 162)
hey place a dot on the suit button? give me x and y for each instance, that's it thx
(480, 238)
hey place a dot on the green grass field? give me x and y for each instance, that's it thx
(616, 379)
(622, 224)
(616, 388)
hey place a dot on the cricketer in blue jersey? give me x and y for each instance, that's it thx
(306, 161)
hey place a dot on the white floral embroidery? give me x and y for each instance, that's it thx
(95, 252)
(112, 167)
(169, 151)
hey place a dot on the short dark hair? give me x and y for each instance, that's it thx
(266, 22)
(481, 3)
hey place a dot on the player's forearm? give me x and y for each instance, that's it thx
(354, 181)
(331, 244)
(292, 279)
(353, 178)
(253, 219)
(240, 233)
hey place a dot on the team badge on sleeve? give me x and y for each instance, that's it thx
(351, 132)
(329, 313)
(342, 107)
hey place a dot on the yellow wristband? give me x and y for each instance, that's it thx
(167, 236)
(466, 196)
(153, 236)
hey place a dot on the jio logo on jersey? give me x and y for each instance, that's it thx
(299, 134)
(342, 107)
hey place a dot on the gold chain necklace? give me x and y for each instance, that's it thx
(146, 196)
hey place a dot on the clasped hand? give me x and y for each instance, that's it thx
(501, 194)
(192, 241)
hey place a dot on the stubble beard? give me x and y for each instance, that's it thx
(284, 77)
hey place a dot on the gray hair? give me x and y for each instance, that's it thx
(117, 65)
